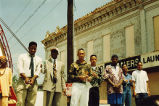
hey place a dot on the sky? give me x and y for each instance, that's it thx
(31, 19)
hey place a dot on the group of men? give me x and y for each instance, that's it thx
(85, 78)
(120, 83)
(29, 67)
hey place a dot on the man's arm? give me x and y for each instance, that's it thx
(111, 82)
(133, 83)
(62, 77)
(148, 89)
(72, 74)
(121, 78)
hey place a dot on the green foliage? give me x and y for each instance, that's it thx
(15, 81)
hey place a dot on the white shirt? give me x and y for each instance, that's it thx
(54, 60)
(115, 71)
(24, 64)
(140, 78)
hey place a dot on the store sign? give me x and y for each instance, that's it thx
(131, 62)
(150, 59)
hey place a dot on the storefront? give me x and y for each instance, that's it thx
(150, 64)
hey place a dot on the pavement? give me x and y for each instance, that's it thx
(39, 100)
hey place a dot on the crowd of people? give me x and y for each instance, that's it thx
(85, 79)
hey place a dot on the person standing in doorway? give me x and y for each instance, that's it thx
(140, 85)
(127, 84)
(29, 67)
(114, 76)
(54, 82)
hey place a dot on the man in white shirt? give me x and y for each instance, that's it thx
(140, 85)
(29, 67)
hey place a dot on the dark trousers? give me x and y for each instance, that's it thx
(139, 98)
(93, 96)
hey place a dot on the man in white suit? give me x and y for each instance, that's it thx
(54, 83)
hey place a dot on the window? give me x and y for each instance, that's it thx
(130, 45)
(156, 32)
(89, 50)
(106, 48)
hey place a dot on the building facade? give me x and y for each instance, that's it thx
(128, 28)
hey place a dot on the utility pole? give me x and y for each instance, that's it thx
(70, 33)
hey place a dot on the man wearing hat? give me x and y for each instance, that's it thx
(54, 83)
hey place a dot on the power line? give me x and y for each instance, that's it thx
(44, 17)
(20, 13)
(13, 34)
(74, 4)
(51, 10)
(31, 16)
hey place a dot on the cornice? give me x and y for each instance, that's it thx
(99, 16)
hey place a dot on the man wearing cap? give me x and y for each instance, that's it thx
(29, 68)
(54, 83)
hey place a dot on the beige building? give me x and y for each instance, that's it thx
(128, 28)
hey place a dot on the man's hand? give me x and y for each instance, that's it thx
(131, 81)
(64, 92)
(27, 80)
(117, 85)
(126, 81)
(94, 74)
(89, 79)
(83, 77)
(32, 80)
(149, 94)
(134, 94)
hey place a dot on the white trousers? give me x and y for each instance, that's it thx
(79, 94)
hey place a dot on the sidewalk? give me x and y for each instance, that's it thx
(39, 100)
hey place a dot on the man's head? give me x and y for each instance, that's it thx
(93, 60)
(139, 65)
(54, 53)
(3, 61)
(32, 48)
(81, 54)
(114, 59)
(124, 68)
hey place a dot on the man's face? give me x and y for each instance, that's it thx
(54, 54)
(93, 60)
(32, 49)
(114, 61)
(81, 54)
(139, 66)
(125, 69)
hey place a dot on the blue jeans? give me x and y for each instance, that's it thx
(139, 98)
(127, 98)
